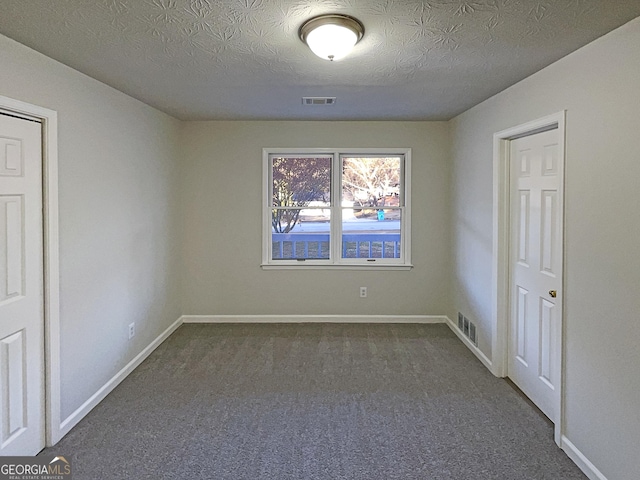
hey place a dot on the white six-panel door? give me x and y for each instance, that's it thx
(535, 267)
(21, 288)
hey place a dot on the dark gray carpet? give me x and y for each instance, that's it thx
(314, 401)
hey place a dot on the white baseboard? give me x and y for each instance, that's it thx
(476, 351)
(314, 319)
(73, 419)
(588, 468)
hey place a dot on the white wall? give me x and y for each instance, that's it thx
(222, 224)
(118, 208)
(599, 86)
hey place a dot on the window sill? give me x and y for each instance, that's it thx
(302, 266)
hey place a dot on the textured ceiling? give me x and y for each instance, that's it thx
(242, 59)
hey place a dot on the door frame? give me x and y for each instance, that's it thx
(51, 259)
(500, 265)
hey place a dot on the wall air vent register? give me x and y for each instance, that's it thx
(318, 100)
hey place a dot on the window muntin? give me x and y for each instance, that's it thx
(329, 208)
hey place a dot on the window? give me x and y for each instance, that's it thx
(327, 208)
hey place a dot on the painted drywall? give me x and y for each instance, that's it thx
(598, 87)
(222, 224)
(117, 210)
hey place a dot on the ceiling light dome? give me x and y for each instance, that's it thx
(331, 36)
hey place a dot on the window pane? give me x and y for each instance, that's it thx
(371, 181)
(301, 182)
(300, 233)
(371, 233)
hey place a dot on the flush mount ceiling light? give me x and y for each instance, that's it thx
(331, 36)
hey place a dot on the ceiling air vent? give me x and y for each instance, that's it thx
(318, 100)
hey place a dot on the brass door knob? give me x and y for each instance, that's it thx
(553, 293)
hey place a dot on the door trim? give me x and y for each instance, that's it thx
(500, 262)
(49, 120)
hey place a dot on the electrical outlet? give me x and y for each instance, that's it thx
(132, 330)
(363, 292)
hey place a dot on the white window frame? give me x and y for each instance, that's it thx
(335, 260)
